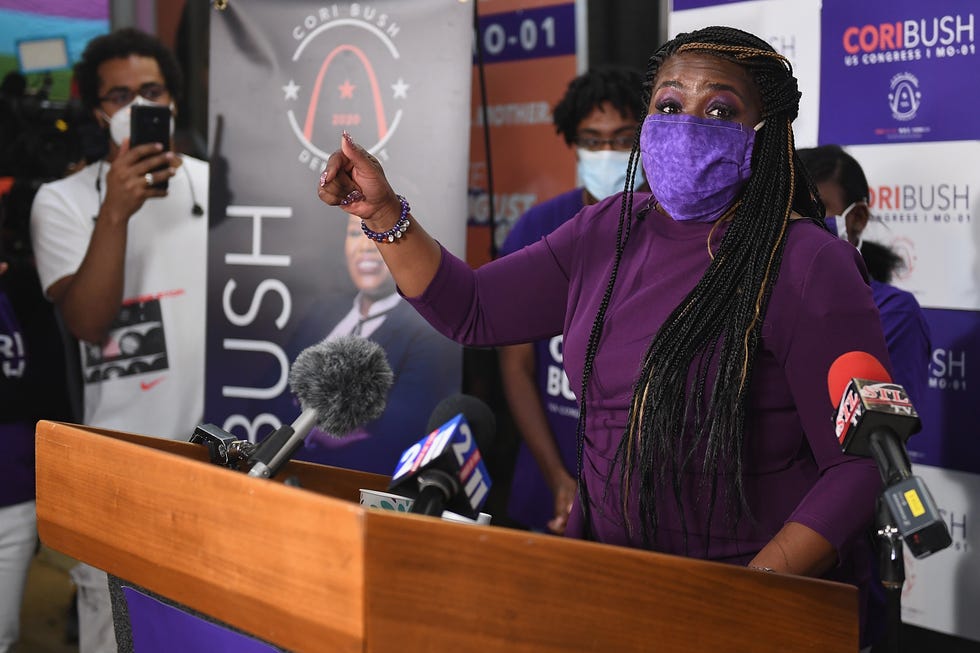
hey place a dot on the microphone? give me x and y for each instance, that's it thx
(341, 384)
(875, 418)
(478, 414)
(445, 470)
(196, 209)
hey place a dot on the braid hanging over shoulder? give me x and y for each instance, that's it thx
(718, 325)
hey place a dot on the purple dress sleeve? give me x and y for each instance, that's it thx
(514, 299)
(822, 310)
(522, 296)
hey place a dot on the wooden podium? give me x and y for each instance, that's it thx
(308, 569)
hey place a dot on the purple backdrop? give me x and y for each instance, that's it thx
(904, 70)
(950, 411)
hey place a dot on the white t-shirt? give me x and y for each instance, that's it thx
(148, 376)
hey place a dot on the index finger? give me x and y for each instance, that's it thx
(359, 157)
(131, 154)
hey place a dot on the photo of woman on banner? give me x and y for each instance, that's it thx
(700, 321)
(426, 364)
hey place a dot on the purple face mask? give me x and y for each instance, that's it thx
(696, 167)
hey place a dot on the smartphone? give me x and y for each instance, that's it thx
(150, 123)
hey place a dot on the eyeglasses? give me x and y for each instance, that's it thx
(621, 142)
(121, 96)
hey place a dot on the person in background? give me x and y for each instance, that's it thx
(599, 116)
(700, 322)
(20, 388)
(426, 364)
(123, 260)
(40, 140)
(844, 190)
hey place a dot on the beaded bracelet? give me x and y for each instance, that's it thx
(395, 232)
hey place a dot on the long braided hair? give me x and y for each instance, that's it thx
(719, 320)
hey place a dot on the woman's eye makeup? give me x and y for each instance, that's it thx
(721, 110)
(667, 103)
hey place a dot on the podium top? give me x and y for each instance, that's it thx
(310, 570)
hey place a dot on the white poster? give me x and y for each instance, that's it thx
(942, 591)
(792, 28)
(925, 205)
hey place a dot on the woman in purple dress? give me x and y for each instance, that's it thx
(699, 322)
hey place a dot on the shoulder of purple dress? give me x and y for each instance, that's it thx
(809, 244)
(608, 210)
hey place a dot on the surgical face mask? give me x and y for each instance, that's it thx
(603, 172)
(119, 123)
(838, 223)
(696, 167)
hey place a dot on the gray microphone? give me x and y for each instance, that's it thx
(341, 385)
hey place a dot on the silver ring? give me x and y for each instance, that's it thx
(149, 178)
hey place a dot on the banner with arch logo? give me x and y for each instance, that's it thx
(909, 61)
(285, 270)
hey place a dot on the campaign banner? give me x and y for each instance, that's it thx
(949, 409)
(895, 71)
(925, 205)
(529, 56)
(286, 271)
(941, 591)
(789, 27)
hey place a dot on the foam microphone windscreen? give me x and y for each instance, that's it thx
(345, 382)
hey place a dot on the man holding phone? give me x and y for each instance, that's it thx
(121, 251)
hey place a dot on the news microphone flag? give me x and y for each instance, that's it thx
(875, 418)
(872, 404)
(451, 449)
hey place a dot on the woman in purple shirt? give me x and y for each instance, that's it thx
(699, 322)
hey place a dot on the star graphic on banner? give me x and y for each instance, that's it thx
(400, 88)
(346, 90)
(291, 90)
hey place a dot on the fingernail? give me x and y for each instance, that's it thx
(323, 178)
(354, 196)
(347, 137)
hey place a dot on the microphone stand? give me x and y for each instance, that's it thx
(891, 568)
(930, 534)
